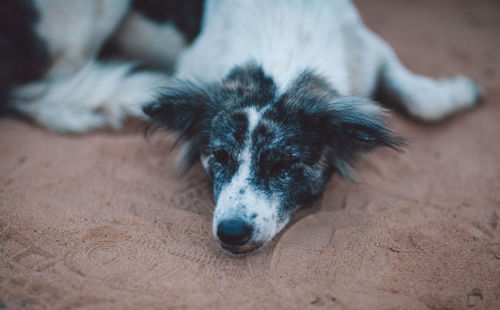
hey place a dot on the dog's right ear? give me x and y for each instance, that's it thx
(184, 108)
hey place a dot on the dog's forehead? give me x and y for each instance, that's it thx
(272, 134)
(275, 120)
(261, 128)
(229, 129)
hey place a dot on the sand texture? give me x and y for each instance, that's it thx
(101, 221)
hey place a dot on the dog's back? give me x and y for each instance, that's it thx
(285, 37)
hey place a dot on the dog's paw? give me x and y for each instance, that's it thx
(464, 91)
(446, 98)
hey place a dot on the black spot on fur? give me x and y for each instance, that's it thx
(240, 125)
(23, 55)
(184, 14)
(251, 86)
(262, 131)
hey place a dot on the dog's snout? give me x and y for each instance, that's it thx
(234, 232)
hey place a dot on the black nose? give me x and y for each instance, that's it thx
(234, 232)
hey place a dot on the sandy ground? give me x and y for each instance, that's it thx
(100, 221)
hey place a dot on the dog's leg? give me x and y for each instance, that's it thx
(97, 95)
(156, 44)
(424, 98)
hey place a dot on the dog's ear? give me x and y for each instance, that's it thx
(180, 107)
(350, 126)
(355, 126)
(185, 108)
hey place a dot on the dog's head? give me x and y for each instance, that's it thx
(267, 153)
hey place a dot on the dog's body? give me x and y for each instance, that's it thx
(264, 95)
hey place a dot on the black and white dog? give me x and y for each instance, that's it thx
(271, 95)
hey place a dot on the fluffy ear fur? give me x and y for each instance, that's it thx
(350, 125)
(184, 108)
(356, 126)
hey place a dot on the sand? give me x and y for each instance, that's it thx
(101, 221)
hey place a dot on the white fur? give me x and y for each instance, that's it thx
(96, 95)
(423, 97)
(75, 30)
(253, 117)
(155, 44)
(275, 34)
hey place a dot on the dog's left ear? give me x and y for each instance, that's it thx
(180, 107)
(356, 126)
(183, 107)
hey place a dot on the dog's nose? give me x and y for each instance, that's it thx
(234, 232)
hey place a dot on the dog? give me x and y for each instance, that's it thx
(273, 97)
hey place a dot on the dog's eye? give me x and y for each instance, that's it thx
(279, 165)
(277, 162)
(221, 157)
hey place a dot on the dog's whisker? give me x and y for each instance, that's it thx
(206, 204)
